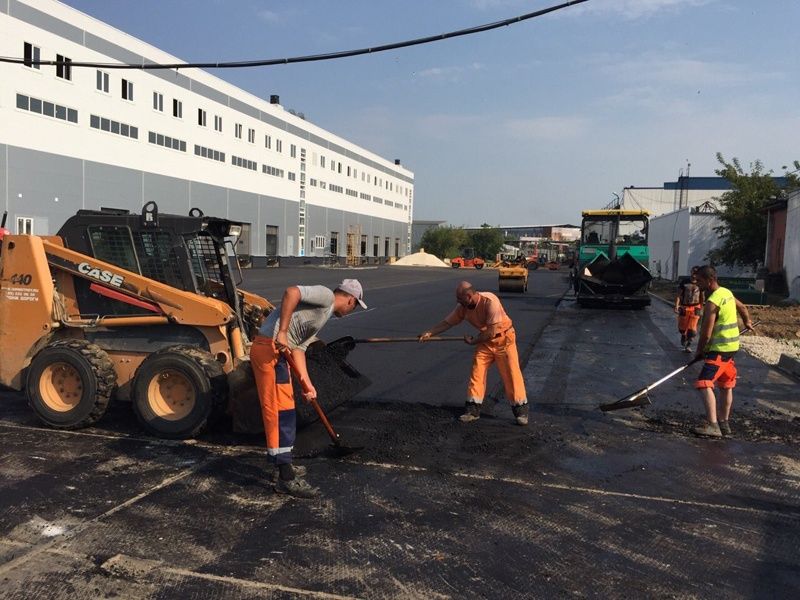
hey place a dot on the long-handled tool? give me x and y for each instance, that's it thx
(340, 449)
(348, 343)
(640, 398)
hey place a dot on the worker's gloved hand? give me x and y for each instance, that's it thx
(424, 336)
(310, 393)
(282, 340)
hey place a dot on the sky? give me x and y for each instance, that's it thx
(526, 124)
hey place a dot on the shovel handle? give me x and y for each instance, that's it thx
(405, 339)
(287, 354)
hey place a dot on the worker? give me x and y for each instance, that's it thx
(495, 343)
(688, 304)
(303, 312)
(719, 341)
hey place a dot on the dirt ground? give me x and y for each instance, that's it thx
(777, 322)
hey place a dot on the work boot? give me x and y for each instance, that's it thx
(521, 413)
(725, 428)
(472, 412)
(297, 487)
(298, 470)
(708, 430)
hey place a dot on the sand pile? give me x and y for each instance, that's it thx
(420, 259)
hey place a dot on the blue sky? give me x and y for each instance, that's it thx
(527, 124)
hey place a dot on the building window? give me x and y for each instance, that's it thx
(268, 142)
(166, 141)
(322, 161)
(102, 81)
(48, 109)
(24, 225)
(201, 117)
(63, 67)
(348, 171)
(123, 129)
(244, 163)
(177, 108)
(334, 247)
(375, 242)
(217, 123)
(158, 102)
(278, 146)
(340, 167)
(293, 151)
(31, 56)
(127, 90)
(291, 176)
(209, 153)
(237, 130)
(319, 242)
(251, 136)
(274, 171)
(363, 245)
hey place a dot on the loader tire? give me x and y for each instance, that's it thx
(177, 391)
(69, 383)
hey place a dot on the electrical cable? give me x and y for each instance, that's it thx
(300, 59)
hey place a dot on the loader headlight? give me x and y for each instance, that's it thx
(235, 231)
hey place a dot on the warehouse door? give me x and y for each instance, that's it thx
(272, 240)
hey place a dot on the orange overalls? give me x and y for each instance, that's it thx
(274, 383)
(502, 350)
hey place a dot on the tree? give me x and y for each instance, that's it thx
(444, 242)
(744, 224)
(487, 241)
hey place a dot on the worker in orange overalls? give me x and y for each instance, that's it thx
(303, 312)
(688, 305)
(496, 343)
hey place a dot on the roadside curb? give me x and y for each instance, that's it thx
(789, 365)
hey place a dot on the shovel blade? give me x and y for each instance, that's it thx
(629, 402)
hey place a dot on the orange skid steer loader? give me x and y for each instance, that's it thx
(144, 306)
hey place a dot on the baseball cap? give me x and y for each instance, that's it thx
(353, 287)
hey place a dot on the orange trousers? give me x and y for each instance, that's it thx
(501, 351)
(276, 395)
(689, 319)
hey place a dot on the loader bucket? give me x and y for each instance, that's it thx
(621, 280)
(336, 382)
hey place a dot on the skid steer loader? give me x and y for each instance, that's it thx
(145, 306)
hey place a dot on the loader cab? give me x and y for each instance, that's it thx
(194, 253)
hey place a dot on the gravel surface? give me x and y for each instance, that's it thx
(768, 349)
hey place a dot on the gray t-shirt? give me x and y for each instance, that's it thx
(312, 312)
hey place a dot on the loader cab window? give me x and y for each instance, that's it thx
(114, 245)
(157, 257)
(597, 231)
(623, 231)
(632, 232)
(207, 265)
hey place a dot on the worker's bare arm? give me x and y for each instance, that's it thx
(289, 302)
(744, 313)
(710, 312)
(435, 330)
(302, 369)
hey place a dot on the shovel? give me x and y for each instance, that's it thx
(640, 398)
(339, 449)
(348, 343)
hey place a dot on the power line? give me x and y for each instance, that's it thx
(300, 59)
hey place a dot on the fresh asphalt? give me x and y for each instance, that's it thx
(577, 504)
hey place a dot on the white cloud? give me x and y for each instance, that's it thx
(546, 128)
(270, 16)
(676, 71)
(451, 74)
(634, 9)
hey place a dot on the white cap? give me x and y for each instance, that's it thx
(353, 287)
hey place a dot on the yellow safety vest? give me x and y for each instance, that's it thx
(725, 335)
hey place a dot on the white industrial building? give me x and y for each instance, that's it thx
(673, 195)
(78, 137)
(791, 249)
(681, 239)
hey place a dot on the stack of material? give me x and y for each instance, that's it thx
(419, 259)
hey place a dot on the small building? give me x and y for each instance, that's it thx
(418, 230)
(557, 233)
(791, 247)
(682, 239)
(776, 245)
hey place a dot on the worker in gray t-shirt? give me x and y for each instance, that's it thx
(303, 312)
